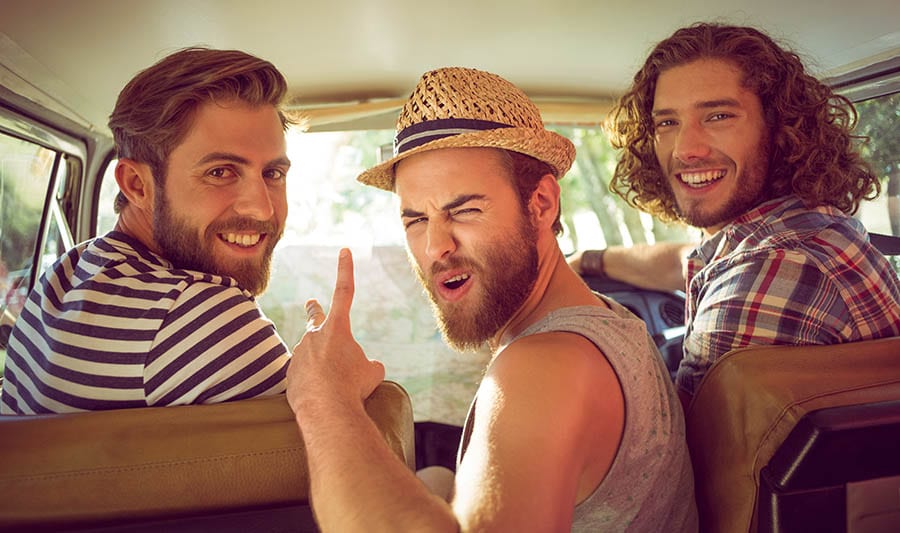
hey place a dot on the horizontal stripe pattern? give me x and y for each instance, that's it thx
(431, 130)
(111, 325)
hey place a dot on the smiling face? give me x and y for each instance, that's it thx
(468, 239)
(711, 142)
(224, 203)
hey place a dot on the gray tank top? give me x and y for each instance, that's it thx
(650, 485)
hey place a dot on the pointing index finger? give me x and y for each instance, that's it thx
(343, 286)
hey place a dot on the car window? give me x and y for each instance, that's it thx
(593, 216)
(27, 171)
(878, 122)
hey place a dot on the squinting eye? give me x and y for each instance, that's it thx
(409, 223)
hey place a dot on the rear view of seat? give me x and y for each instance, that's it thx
(161, 468)
(750, 402)
(838, 470)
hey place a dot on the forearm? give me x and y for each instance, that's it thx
(650, 266)
(358, 484)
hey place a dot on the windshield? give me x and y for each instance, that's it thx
(391, 315)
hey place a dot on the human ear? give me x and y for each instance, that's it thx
(136, 182)
(544, 204)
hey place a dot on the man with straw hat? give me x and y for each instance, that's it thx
(576, 424)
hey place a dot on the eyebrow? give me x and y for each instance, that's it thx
(234, 158)
(453, 204)
(706, 104)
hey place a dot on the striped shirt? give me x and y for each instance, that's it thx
(112, 325)
(785, 274)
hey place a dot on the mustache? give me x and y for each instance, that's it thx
(238, 224)
(449, 264)
(679, 166)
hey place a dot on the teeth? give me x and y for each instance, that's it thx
(242, 240)
(456, 279)
(700, 178)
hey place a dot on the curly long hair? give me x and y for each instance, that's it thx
(812, 152)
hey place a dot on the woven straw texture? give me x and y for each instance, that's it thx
(468, 93)
(463, 93)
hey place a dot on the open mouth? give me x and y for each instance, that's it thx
(452, 287)
(701, 179)
(244, 240)
(456, 281)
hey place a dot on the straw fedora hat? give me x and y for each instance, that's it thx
(463, 108)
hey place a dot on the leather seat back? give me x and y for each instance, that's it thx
(752, 398)
(113, 467)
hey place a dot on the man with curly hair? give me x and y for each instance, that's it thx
(724, 129)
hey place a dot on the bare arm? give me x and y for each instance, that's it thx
(546, 432)
(548, 421)
(657, 266)
(356, 481)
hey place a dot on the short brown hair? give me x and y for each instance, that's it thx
(528, 171)
(155, 110)
(812, 151)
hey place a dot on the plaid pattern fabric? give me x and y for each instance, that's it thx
(785, 274)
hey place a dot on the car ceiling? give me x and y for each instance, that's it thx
(74, 56)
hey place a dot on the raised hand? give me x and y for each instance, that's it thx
(328, 367)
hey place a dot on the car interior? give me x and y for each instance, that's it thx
(782, 438)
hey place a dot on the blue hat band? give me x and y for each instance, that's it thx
(432, 130)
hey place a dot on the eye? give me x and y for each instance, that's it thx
(720, 116)
(464, 212)
(664, 123)
(410, 222)
(222, 173)
(274, 174)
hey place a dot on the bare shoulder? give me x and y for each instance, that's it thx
(558, 353)
(561, 368)
(552, 395)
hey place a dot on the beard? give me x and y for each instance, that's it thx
(506, 273)
(180, 243)
(751, 190)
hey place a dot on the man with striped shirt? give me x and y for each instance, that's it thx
(161, 310)
(724, 130)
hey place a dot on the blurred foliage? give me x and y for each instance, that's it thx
(585, 189)
(878, 120)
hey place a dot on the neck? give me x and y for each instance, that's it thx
(137, 224)
(556, 286)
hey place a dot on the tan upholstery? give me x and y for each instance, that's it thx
(167, 461)
(751, 399)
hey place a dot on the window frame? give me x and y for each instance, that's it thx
(58, 209)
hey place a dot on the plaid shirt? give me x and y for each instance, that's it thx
(785, 274)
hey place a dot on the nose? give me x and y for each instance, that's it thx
(691, 143)
(440, 241)
(254, 199)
